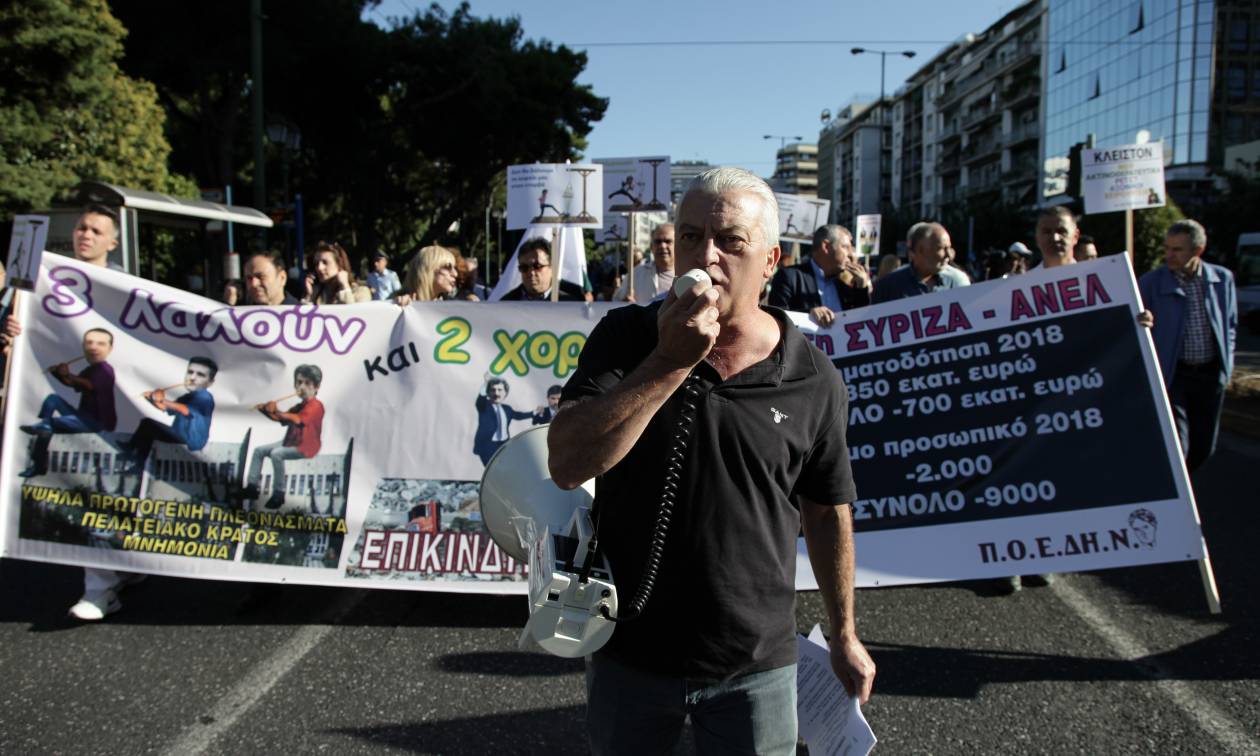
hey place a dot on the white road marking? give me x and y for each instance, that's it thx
(1229, 734)
(197, 738)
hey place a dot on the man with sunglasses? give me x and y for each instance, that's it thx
(534, 263)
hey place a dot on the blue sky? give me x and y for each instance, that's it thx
(716, 102)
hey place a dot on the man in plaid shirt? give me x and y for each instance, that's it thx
(1196, 321)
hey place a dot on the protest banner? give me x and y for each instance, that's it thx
(26, 247)
(632, 185)
(866, 236)
(557, 193)
(384, 492)
(1123, 177)
(800, 216)
(1005, 428)
(1011, 427)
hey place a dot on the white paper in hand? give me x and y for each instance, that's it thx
(830, 720)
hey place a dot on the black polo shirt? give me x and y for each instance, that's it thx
(723, 604)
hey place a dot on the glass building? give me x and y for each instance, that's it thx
(1117, 68)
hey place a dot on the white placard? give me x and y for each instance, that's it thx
(26, 247)
(866, 235)
(1123, 177)
(830, 720)
(632, 185)
(800, 216)
(560, 194)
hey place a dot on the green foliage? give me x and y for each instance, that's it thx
(67, 112)
(1149, 227)
(404, 131)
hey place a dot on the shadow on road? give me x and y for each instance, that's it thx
(931, 672)
(508, 664)
(551, 731)
(38, 595)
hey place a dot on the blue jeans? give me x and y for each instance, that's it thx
(634, 712)
(62, 417)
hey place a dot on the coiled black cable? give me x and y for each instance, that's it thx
(665, 509)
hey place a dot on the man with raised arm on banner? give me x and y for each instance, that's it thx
(494, 418)
(760, 415)
(95, 413)
(929, 269)
(193, 412)
(1196, 324)
(303, 427)
(830, 281)
(534, 264)
(655, 277)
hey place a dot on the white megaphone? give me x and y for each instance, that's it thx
(536, 522)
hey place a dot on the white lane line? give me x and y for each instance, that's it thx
(1229, 734)
(197, 737)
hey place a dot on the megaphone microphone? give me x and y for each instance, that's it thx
(572, 597)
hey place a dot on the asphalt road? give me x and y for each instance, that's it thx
(1122, 661)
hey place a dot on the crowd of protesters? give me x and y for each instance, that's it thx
(1189, 304)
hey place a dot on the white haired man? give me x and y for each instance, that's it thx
(766, 414)
(1195, 309)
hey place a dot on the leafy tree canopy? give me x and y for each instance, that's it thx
(406, 132)
(67, 112)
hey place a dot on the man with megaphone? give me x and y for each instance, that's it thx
(715, 431)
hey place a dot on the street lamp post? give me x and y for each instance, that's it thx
(782, 139)
(883, 54)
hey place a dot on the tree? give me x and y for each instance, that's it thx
(469, 97)
(1149, 227)
(67, 112)
(406, 132)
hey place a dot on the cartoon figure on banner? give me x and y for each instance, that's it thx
(303, 423)
(1152, 198)
(493, 419)
(1145, 526)
(546, 413)
(625, 190)
(193, 412)
(95, 413)
(543, 206)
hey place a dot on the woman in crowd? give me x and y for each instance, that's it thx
(330, 280)
(430, 275)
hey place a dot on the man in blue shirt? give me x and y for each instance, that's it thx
(830, 281)
(929, 269)
(193, 412)
(1196, 323)
(381, 280)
